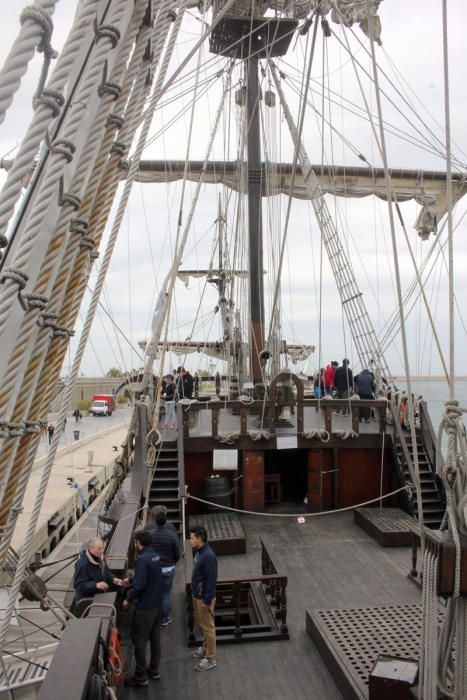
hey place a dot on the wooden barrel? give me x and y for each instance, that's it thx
(217, 490)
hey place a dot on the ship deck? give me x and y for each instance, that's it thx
(331, 563)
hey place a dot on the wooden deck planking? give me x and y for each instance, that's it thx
(330, 563)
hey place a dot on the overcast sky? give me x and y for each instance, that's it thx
(412, 57)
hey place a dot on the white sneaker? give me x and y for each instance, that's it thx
(206, 664)
(198, 653)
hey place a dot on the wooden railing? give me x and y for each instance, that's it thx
(268, 412)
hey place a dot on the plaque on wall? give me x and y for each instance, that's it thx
(225, 459)
(287, 442)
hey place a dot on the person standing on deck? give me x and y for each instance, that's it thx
(184, 384)
(203, 589)
(168, 394)
(365, 388)
(51, 430)
(166, 543)
(343, 381)
(329, 377)
(146, 593)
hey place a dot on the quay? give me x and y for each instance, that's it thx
(81, 470)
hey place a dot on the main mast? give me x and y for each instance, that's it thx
(250, 38)
(255, 223)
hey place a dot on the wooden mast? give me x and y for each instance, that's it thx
(255, 232)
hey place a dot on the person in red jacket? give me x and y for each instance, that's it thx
(329, 376)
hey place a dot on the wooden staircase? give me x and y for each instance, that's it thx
(432, 498)
(165, 483)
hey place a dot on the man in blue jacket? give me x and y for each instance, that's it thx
(146, 594)
(166, 543)
(203, 589)
(92, 575)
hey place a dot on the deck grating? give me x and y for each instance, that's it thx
(390, 527)
(225, 533)
(350, 640)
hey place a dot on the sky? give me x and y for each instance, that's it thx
(412, 57)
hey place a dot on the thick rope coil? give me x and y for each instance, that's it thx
(243, 398)
(53, 99)
(9, 429)
(42, 18)
(35, 301)
(153, 438)
(109, 88)
(87, 242)
(62, 331)
(345, 435)
(118, 148)
(115, 120)
(259, 435)
(227, 438)
(322, 434)
(63, 147)
(15, 275)
(71, 200)
(46, 319)
(33, 427)
(79, 225)
(151, 456)
(108, 31)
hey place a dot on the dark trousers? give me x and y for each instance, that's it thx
(146, 627)
(365, 412)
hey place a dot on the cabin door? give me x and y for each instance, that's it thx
(285, 477)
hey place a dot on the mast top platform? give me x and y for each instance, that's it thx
(259, 37)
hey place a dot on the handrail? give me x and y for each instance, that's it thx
(403, 442)
(428, 435)
(268, 410)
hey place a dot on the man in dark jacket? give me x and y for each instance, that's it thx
(92, 575)
(146, 594)
(184, 384)
(166, 543)
(365, 388)
(343, 381)
(203, 589)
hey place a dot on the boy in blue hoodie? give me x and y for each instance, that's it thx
(203, 589)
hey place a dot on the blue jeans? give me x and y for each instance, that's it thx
(167, 583)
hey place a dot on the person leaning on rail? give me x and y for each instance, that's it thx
(92, 575)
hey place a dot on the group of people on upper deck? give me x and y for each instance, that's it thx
(338, 381)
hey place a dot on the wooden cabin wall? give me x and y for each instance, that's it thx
(320, 485)
(360, 476)
(198, 467)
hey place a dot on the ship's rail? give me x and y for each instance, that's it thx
(242, 421)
